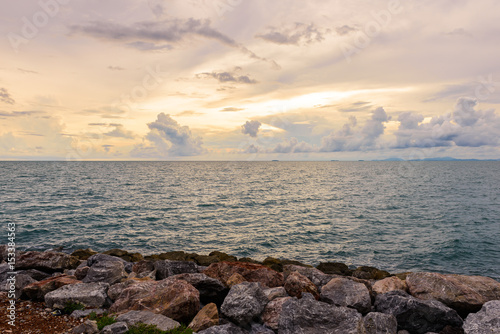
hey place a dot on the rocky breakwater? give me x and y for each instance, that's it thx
(217, 293)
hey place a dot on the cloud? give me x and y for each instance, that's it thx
(19, 113)
(251, 128)
(224, 77)
(5, 96)
(356, 107)
(189, 113)
(293, 146)
(459, 32)
(345, 30)
(115, 68)
(120, 132)
(105, 112)
(148, 46)
(299, 33)
(231, 109)
(22, 70)
(168, 138)
(107, 148)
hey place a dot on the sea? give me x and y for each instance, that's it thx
(438, 216)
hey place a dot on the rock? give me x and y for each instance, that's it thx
(81, 272)
(389, 284)
(46, 261)
(21, 282)
(380, 323)
(88, 327)
(260, 329)
(487, 320)
(38, 290)
(116, 328)
(144, 268)
(464, 294)
(403, 332)
(115, 290)
(83, 254)
(314, 275)
(206, 260)
(402, 276)
(110, 272)
(128, 257)
(345, 292)
(37, 275)
(235, 279)
(102, 258)
(174, 256)
(296, 284)
(172, 298)
(210, 289)
(306, 315)
(272, 312)
(223, 256)
(149, 318)
(85, 313)
(273, 263)
(365, 272)
(92, 295)
(206, 318)
(244, 302)
(273, 293)
(334, 268)
(224, 329)
(416, 315)
(167, 268)
(250, 271)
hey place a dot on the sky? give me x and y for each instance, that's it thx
(249, 79)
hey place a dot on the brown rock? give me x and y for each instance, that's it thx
(273, 263)
(172, 298)
(115, 290)
(365, 272)
(334, 268)
(235, 279)
(346, 292)
(206, 318)
(250, 271)
(83, 254)
(223, 256)
(144, 268)
(403, 276)
(206, 260)
(296, 284)
(389, 284)
(46, 261)
(81, 272)
(38, 290)
(465, 294)
(129, 257)
(272, 312)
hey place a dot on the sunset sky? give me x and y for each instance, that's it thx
(249, 79)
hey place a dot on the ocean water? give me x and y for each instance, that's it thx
(398, 216)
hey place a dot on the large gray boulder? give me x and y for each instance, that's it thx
(92, 295)
(167, 268)
(46, 261)
(224, 329)
(106, 271)
(103, 257)
(345, 292)
(307, 315)
(244, 302)
(416, 315)
(149, 318)
(487, 320)
(116, 328)
(380, 323)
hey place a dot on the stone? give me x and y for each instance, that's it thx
(416, 315)
(464, 294)
(366, 272)
(144, 268)
(88, 327)
(314, 275)
(334, 268)
(38, 290)
(92, 295)
(81, 272)
(46, 261)
(110, 272)
(173, 298)
(167, 268)
(345, 292)
(116, 328)
(235, 279)
(307, 315)
(37, 275)
(244, 302)
(296, 284)
(260, 329)
(223, 256)
(380, 323)
(210, 289)
(250, 271)
(126, 256)
(389, 284)
(206, 318)
(272, 312)
(273, 263)
(206, 260)
(101, 258)
(83, 254)
(21, 282)
(487, 320)
(149, 318)
(115, 290)
(273, 293)
(224, 329)
(85, 313)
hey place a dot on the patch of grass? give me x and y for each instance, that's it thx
(102, 320)
(70, 306)
(140, 328)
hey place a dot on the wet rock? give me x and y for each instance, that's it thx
(206, 318)
(167, 268)
(273, 293)
(235, 279)
(402, 276)
(273, 263)
(244, 302)
(206, 260)
(296, 284)
(172, 298)
(334, 268)
(272, 312)
(88, 327)
(250, 271)
(149, 318)
(92, 295)
(389, 284)
(46, 261)
(210, 289)
(38, 290)
(223, 256)
(345, 292)
(380, 323)
(116, 328)
(416, 315)
(128, 257)
(464, 294)
(224, 329)
(307, 315)
(110, 272)
(366, 272)
(487, 320)
(83, 254)
(81, 272)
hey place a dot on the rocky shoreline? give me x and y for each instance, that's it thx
(218, 293)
